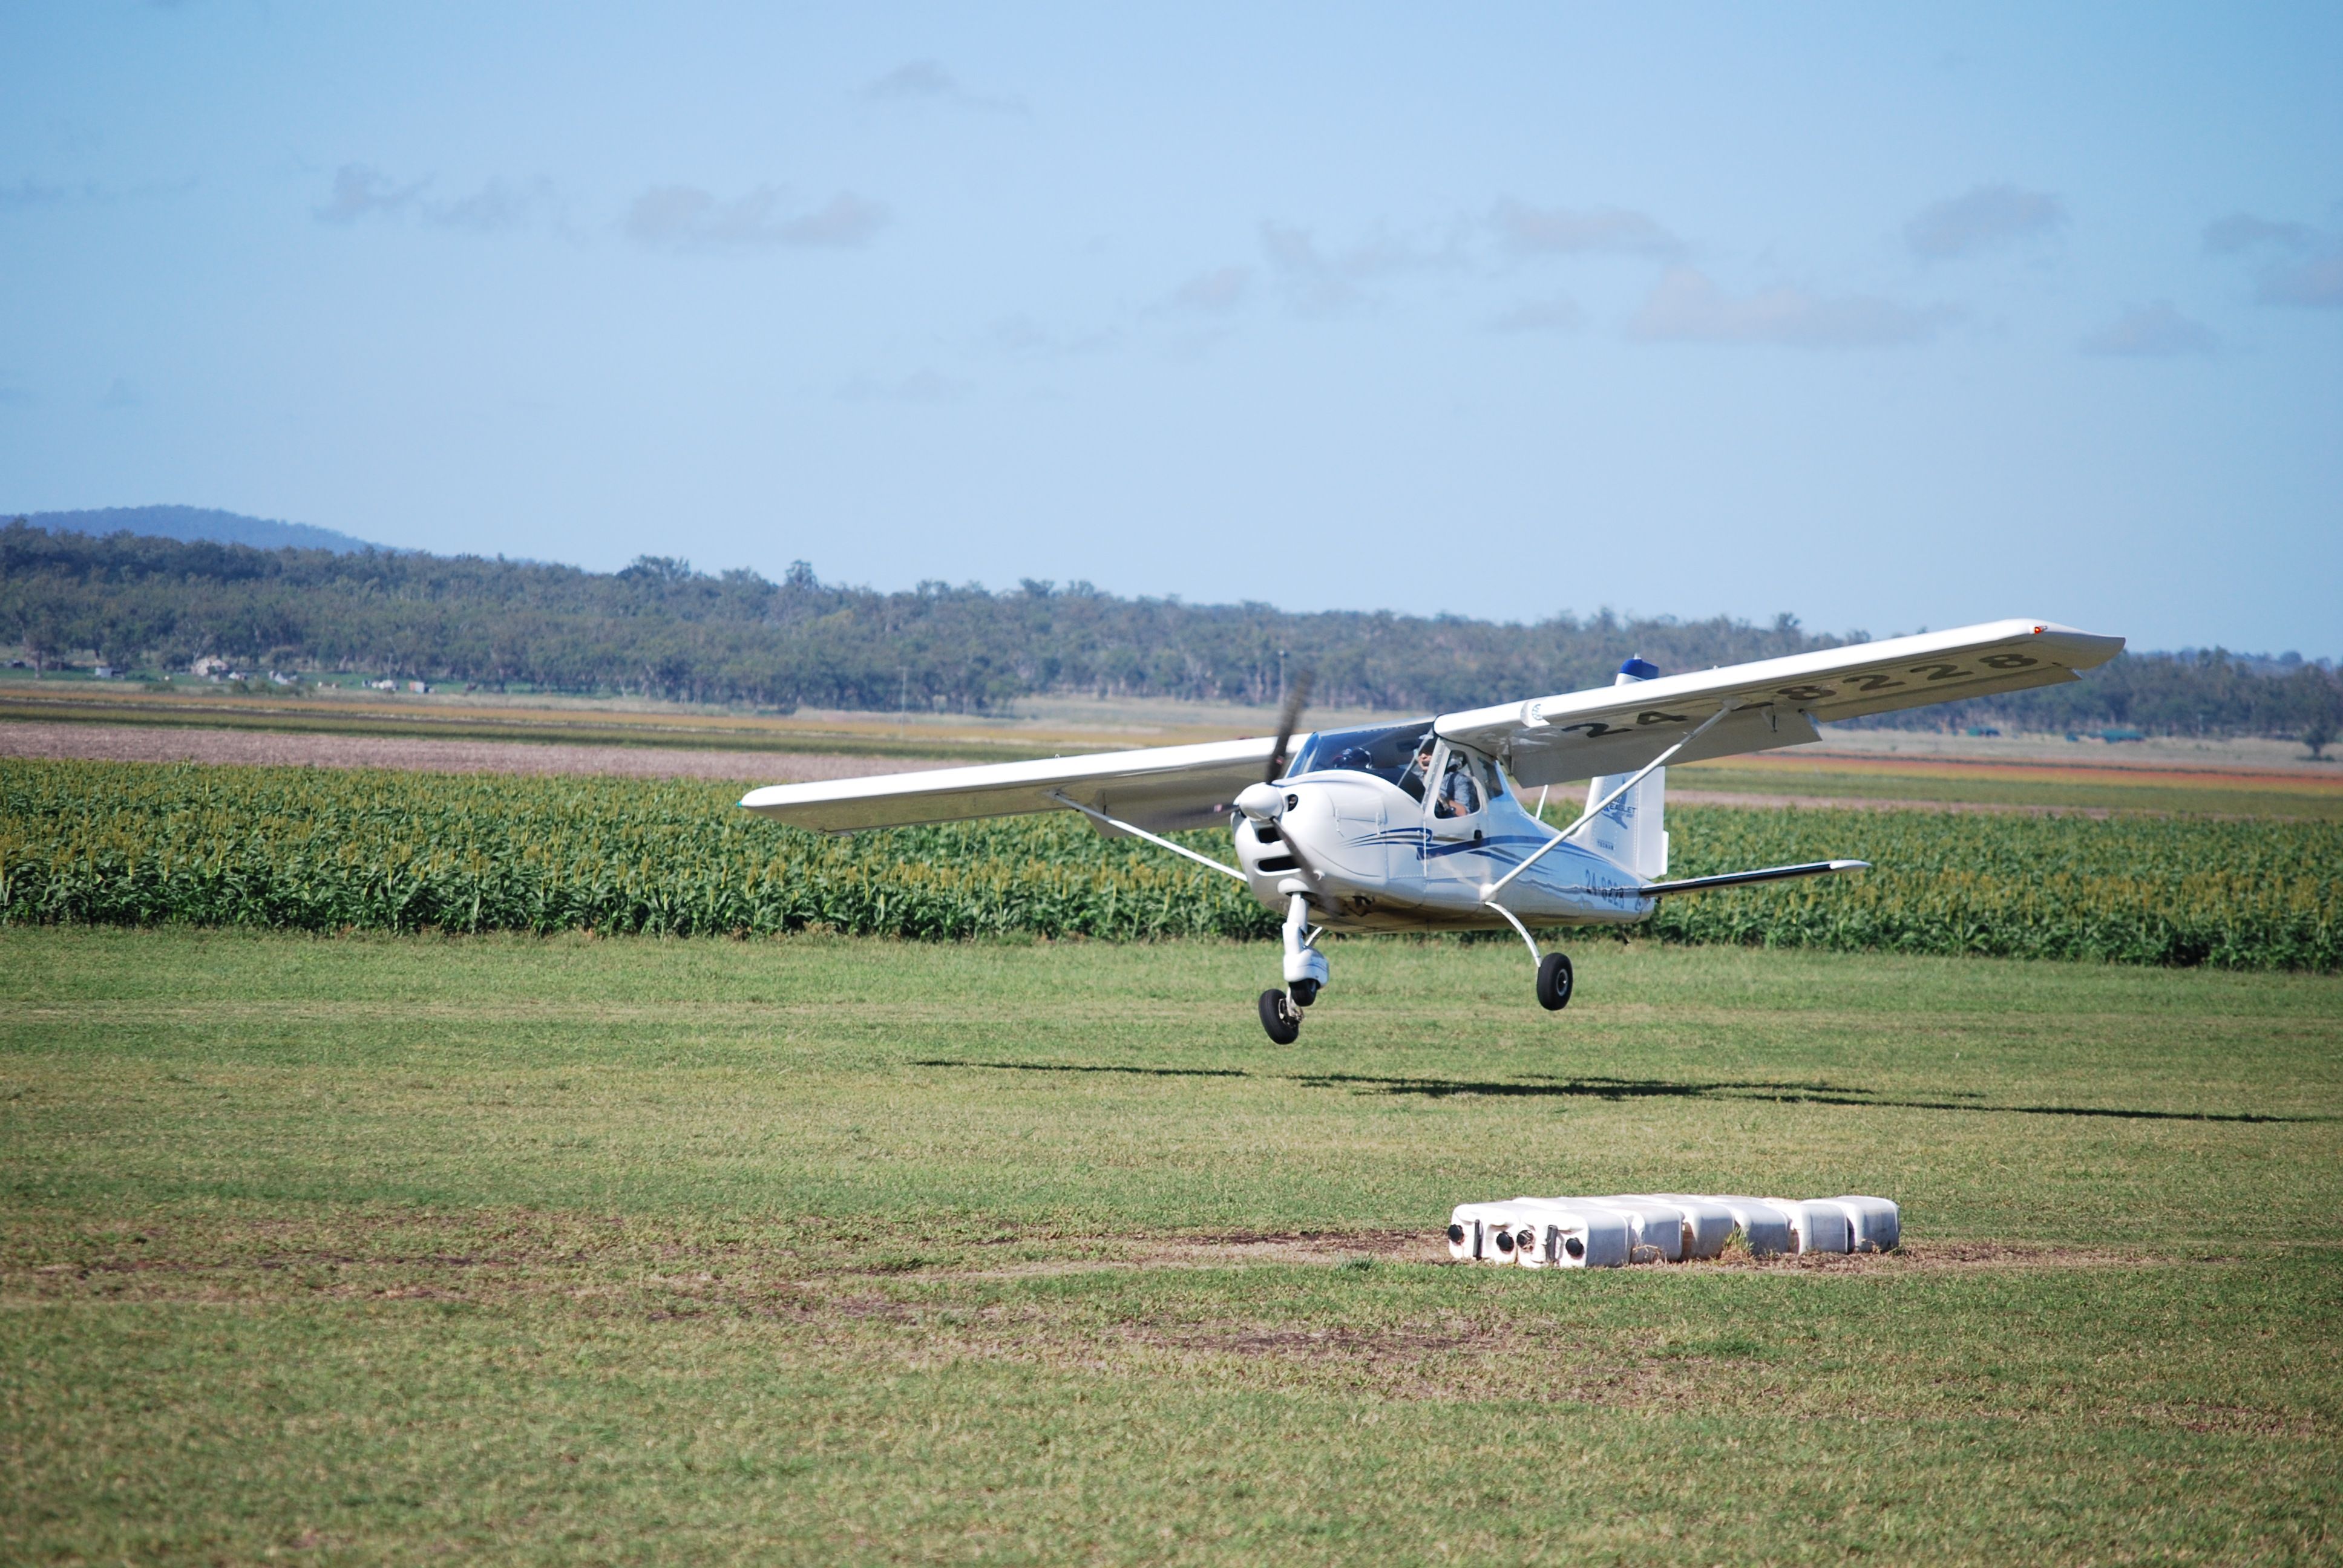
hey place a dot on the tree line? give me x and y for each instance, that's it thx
(660, 628)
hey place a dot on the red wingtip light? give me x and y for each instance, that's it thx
(2040, 630)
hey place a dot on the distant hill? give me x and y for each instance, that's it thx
(190, 523)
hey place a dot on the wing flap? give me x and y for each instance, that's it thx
(1161, 789)
(1617, 728)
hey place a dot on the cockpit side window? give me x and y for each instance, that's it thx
(1468, 782)
(1492, 776)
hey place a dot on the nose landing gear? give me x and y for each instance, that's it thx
(1305, 972)
(1280, 1019)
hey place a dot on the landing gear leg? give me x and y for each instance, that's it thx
(1553, 977)
(1305, 974)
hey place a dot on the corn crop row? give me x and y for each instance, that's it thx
(300, 849)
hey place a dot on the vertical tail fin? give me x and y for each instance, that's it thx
(1631, 832)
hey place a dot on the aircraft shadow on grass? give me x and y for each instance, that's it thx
(1618, 1088)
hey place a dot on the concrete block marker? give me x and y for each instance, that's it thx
(1619, 1229)
(1572, 1233)
(1877, 1225)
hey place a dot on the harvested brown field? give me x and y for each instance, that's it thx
(266, 747)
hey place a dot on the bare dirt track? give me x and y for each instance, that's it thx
(135, 743)
(1759, 800)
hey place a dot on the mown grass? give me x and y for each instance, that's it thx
(858, 1250)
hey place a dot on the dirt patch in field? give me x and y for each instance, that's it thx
(257, 747)
(362, 1251)
(1324, 1249)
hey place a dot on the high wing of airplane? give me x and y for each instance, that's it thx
(1770, 703)
(1163, 788)
(1415, 826)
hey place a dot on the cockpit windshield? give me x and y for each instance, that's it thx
(1386, 750)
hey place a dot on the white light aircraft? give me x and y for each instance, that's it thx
(1418, 826)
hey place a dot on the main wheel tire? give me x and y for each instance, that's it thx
(1303, 992)
(1280, 1020)
(1554, 982)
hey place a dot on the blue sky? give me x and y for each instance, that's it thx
(1881, 316)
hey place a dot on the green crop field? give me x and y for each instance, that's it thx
(829, 1250)
(325, 851)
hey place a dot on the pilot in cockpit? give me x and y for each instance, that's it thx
(1460, 793)
(1418, 776)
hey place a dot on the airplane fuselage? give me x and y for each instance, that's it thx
(1371, 856)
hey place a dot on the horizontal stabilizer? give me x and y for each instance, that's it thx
(1770, 874)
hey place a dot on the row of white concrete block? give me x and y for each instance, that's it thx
(1664, 1227)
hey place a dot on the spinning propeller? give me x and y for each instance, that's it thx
(1297, 697)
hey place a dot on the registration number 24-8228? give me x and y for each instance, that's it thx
(1881, 680)
(1854, 685)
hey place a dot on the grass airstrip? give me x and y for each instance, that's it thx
(857, 1251)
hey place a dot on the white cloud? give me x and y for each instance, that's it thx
(685, 217)
(2152, 331)
(1560, 313)
(28, 193)
(2316, 281)
(1688, 308)
(2242, 231)
(1022, 337)
(1219, 290)
(914, 79)
(1982, 219)
(499, 206)
(924, 81)
(2301, 266)
(363, 191)
(1317, 281)
(1564, 231)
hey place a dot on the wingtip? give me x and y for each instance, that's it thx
(1850, 865)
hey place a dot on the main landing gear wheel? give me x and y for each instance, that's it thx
(1554, 982)
(1280, 1019)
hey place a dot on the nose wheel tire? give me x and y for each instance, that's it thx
(1303, 992)
(1280, 1019)
(1554, 982)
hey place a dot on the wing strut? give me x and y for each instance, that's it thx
(1095, 815)
(1593, 811)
